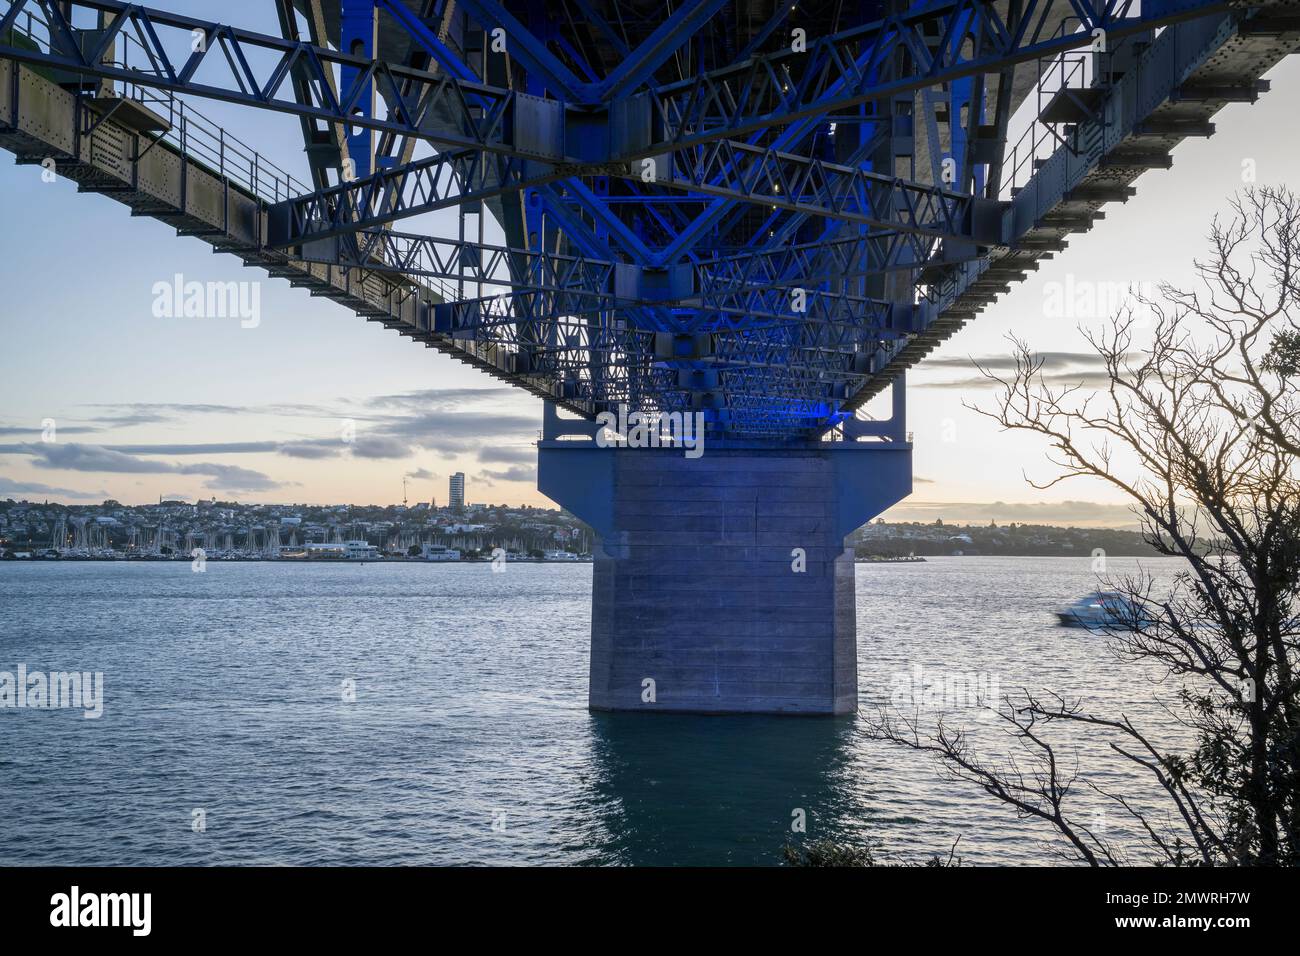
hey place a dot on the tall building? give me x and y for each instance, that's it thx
(457, 492)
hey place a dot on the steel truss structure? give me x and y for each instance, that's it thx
(752, 210)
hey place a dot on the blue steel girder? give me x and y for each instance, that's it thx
(765, 177)
(610, 225)
(795, 356)
(829, 356)
(443, 181)
(774, 235)
(749, 310)
(426, 39)
(253, 69)
(358, 33)
(835, 74)
(640, 64)
(522, 45)
(466, 262)
(775, 231)
(673, 290)
(838, 72)
(835, 260)
(327, 147)
(778, 180)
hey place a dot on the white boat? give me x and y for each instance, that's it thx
(1100, 609)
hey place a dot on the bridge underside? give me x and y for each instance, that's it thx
(872, 174)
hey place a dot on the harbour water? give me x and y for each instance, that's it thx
(436, 714)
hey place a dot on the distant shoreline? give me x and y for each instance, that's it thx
(863, 559)
(34, 559)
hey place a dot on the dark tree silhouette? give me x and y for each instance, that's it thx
(1200, 430)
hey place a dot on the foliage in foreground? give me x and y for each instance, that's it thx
(1197, 424)
(829, 853)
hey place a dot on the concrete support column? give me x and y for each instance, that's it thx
(722, 584)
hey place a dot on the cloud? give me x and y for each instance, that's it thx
(435, 429)
(10, 487)
(125, 414)
(230, 477)
(198, 448)
(73, 456)
(442, 399)
(1087, 379)
(1076, 513)
(23, 431)
(314, 448)
(77, 457)
(379, 446)
(496, 422)
(509, 455)
(129, 419)
(310, 449)
(379, 438)
(513, 473)
(1006, 360)
(124, 408)
(1059, 368)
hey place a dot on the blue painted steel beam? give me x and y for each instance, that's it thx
(522, 45)
(255, 69)
(814, 266)
(791, 183)
(427, 40)
(764, 272)
(357, 35)
(837, 72)
(626, 239)
(641, 63)
(831, 77)
(443, 181)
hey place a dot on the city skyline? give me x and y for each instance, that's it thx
(244, 531)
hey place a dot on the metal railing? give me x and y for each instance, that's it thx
(1067, 70)
(192, 133)
(198, 138)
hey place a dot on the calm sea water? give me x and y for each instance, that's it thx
(469, 741)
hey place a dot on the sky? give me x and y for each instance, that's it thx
(313, 404)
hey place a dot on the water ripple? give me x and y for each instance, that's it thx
(469, 741)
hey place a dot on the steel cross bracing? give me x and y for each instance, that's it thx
(839, 70)
(728, 170)
(743, 209)
(472, 264)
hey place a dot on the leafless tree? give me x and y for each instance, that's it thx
(1200, 430)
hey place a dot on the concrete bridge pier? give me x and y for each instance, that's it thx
(722, 583)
